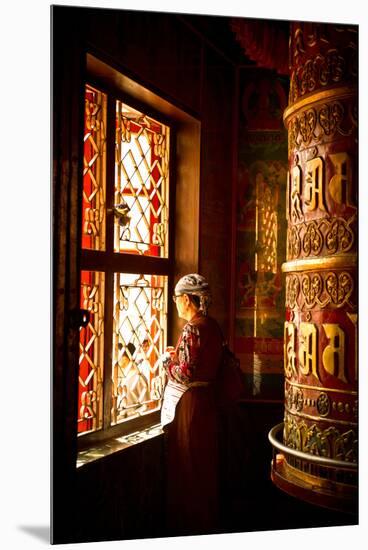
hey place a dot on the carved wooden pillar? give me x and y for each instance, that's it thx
(320, 335)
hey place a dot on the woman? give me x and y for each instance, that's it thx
(192, 436)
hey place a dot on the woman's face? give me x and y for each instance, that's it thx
(185, 308)
(181, 305)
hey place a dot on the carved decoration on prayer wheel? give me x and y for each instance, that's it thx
(320, 335)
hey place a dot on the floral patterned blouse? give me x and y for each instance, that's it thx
(181, 368)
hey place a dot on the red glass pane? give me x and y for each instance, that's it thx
(90, 398)
(94, 170)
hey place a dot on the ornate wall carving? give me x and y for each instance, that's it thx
(261, 232)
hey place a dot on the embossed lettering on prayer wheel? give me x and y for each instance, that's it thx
(320, 334)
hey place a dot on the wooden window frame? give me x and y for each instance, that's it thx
(110, 262)
(183, 237)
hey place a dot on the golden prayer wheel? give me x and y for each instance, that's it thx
(317, 458)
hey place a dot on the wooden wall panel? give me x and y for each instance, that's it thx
(154, 47)
(216, 181)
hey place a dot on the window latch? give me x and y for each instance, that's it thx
(79, 318)
(121, 211)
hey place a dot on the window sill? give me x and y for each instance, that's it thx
(116, 444)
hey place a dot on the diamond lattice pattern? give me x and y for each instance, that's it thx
(91, 347)
(141, 183)
(139, 340)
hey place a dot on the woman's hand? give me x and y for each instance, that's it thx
(171, 351)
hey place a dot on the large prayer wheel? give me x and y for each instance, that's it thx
(317, 458)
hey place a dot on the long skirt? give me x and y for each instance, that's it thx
(192, 465)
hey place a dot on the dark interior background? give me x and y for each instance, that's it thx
(195, 63)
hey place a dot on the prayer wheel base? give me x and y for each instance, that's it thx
(327, 493)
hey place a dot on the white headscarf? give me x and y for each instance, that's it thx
(196, 285)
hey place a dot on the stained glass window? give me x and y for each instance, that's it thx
(141, 183)
(91, 348)
(120, 375)
(139, 339)
(94, 170)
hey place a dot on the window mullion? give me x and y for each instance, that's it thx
(110, 174)
(107, 383)
(109, 287)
